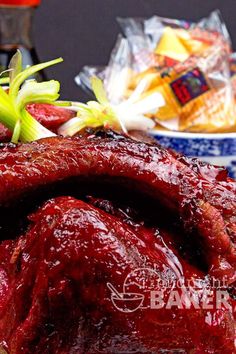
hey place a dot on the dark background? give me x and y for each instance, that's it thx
(84, 31)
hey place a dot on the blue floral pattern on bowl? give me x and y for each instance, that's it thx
(217, 149)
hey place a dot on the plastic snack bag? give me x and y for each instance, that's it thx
(163, 42)
(116, 75)
(188, 64)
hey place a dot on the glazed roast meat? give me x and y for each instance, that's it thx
(106, 210)
(66, 259)
(48, 115)
(207, 204)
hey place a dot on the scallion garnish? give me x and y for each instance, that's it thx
(23, 90)
(127, 115)
(13, 113)
(93, 114)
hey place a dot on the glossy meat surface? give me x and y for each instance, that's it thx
(206, 204)
(165, 218)
(56, 298)
(48, 115)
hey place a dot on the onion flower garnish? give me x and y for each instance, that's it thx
(93, 114)
(22, 91)
(127, 115)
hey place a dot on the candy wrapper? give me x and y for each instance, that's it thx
(188, 64)
(233, 73)
(116, 75)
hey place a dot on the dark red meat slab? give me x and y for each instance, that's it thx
(5, 134)
(48, 115)
(54, 297)
(205, 205)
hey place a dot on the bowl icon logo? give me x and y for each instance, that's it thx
(125, 302)
(139, 286)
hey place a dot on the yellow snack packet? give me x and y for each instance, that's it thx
(171, 46)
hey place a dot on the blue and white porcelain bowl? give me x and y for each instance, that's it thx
(217, 149)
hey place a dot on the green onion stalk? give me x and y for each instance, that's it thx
(22, 91)
(127, 115)
(94, 114)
